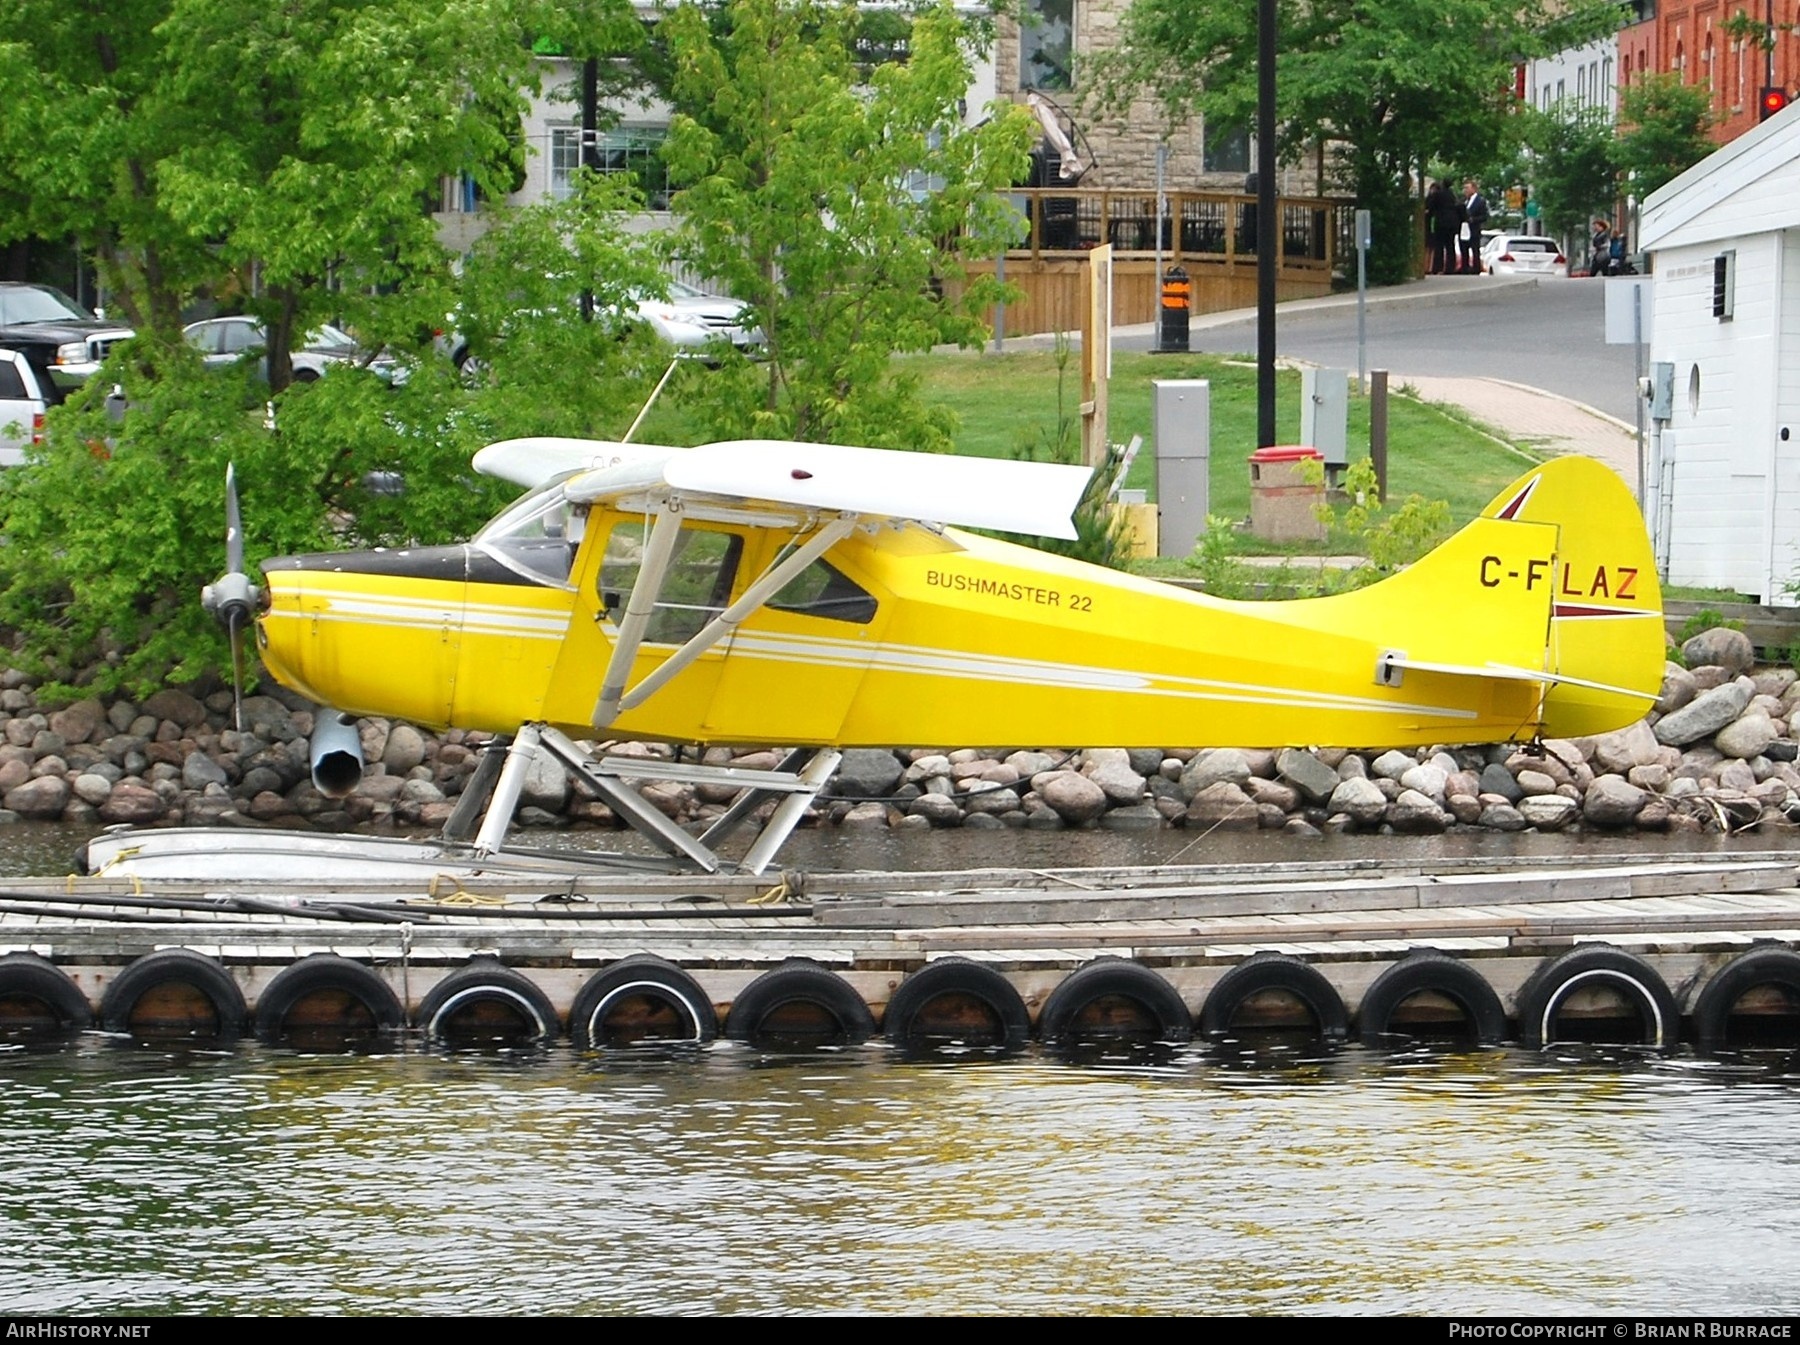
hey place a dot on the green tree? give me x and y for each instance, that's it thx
(540, 368)
(836, 201)
(284, 154)
(1573, 174)
(1664, 128)
(1388, 87)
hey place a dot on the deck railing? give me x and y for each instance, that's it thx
(1207, 228)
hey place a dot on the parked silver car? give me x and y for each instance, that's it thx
(223, 341)
(691, 319)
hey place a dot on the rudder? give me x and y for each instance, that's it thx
(1606, 618)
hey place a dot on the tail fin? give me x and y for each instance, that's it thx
(1543, 615)
(1606, 643)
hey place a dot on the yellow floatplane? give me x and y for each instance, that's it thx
(823, 596)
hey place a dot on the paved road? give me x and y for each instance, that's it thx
(1549, 335)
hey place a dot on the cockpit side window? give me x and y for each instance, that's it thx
(696, 588)
(823, 590)
(537, 537)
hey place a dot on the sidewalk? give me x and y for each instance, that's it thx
(1541, 421)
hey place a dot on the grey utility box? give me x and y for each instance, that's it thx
(1181, 423)
(1325, 416)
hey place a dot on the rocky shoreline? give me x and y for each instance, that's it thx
(1717, 753)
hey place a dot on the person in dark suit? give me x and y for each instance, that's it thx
(1442, 220)
(1475, 210)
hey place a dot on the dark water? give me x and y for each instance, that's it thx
(140, 1179)
(262, 1182)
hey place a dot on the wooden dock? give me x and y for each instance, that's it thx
(1640, 949)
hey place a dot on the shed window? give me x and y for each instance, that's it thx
(1724, 285)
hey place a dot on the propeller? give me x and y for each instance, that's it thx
(232, 598)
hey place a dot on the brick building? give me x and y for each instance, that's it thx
(1688, 38)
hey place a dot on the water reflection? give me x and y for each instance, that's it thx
(1258, 1174)
(1149, 1178)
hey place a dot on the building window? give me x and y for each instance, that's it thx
(1225, 151)
(624, 149)
(565, 158)
(1047, 44)
(1724, 293)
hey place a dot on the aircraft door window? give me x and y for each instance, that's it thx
(696, 588)
(822, 590)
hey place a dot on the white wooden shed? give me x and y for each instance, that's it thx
(1724, 243)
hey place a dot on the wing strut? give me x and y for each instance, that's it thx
(659, 547)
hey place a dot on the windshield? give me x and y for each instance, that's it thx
(38, 303)
(328, 337)
(537, 535)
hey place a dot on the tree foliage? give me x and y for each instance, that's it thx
(1573, 171)
(834, 200)
(278, 154)
(1389, 87)
(1663, 131)
(543, 369)
(282, 160)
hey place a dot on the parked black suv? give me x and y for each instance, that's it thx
(52, 331)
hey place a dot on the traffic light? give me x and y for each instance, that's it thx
(1773, 100)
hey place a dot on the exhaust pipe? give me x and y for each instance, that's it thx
(337, 759)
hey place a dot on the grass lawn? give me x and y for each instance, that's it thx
(1009, 402)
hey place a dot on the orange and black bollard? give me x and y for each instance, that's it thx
(1172, 328)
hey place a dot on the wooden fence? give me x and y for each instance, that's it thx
(1210, 235)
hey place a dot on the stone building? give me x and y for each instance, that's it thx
(1044, 50)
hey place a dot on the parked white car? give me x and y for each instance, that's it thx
(691, 320)
(1523, 255)
(23, 402)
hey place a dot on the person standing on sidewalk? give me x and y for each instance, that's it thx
(1475, 208)
(1442, 218)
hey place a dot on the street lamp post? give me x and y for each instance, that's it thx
(1267, 234)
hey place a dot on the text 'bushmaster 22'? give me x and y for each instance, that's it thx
(823, 596)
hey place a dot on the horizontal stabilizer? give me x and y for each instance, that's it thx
(1390, 664)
